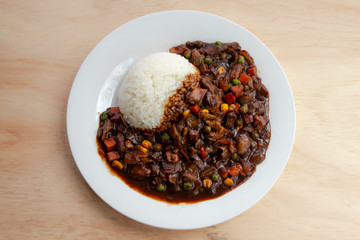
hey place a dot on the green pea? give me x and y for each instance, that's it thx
(187, 54)
(239, 122)
(253, 145)
(254, 135)
(190, 148)
(208, 60)
(104, 116)
(157, 147)
(243, 109)
(241, 59)
(223, 56)
(215, 177)
(200, 44)
(236, 81)
(165, 136)
(218, 43)
(160, 187)
(188, 185)
(234, 156)
(230, 85)
(207, 129)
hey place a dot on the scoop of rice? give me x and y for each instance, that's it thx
(145, 91)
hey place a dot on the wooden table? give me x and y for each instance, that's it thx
(43, 195)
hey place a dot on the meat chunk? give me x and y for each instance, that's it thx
(230, 119)
(178, 142)
(196, 57)
(120, 143)
(248, 118)
(263, 91)
(259, 122)
(211, 49)
(257, 157)
(171, 167)
(204, 68)
(236, 70)
(190, 175)
(140, 172)
(242, 143)
(246, 97)
(196, 96)
(180, 49)
(219, 131)
(106, 128)
(194, 135)
(172, 157)
(231, 47)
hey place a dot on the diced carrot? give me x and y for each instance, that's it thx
(110, 144)
(239, 167)
(237, 90)
(195, 109)
(236, 108)
(229, 98)
(252, 70)
(244, 79)
(233, 171)
(260, 143)
(223, 85)
(114, 110)
(203, 153)
(129, 144)
(223, 172)
(112, 156)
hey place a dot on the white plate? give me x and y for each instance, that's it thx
(93, 91)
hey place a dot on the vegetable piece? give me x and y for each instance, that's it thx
(241, 59)
(223, 56)
(146, 144)
(247, 57)
(223, 172)
(254, 135)
(208, 60)
(236, 110)
(207, 129)
(232, 107)
(195, 109)
(252, 70)
(230, 85)
(160, 187)
(188, 186)
(207, 183)
(218, 43)
(200, 44)
(237, 90)
(205, 110)
(223, 85)
(215, 177)
(117, 164)
(224, 108)
(141, 148)
(253, 145)
(239, 122)
(110, 144)
(229, 182)
(187, 54)
(104, 116)
(235, 81)
(129, 144)
(239, 167)
(233, 171)
(112, 156)
(203, 153)
(244, 79)
(221, 70)
(165, 136)
(229, 98)
(244, 109)
(157, 147)
(260, 143)
(114, 110)
(185, 113)
(234, 156)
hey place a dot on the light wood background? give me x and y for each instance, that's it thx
(43, 195)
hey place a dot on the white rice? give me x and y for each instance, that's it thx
(148, 85)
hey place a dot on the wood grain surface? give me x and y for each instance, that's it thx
(43, 195)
